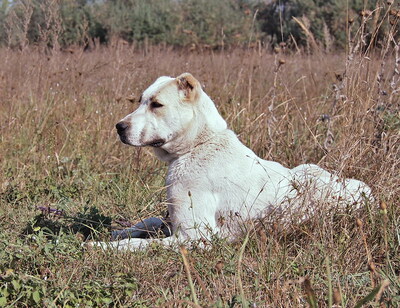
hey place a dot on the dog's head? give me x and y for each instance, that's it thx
(165, 110)
(165, 114)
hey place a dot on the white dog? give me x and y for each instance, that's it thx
(215, 183)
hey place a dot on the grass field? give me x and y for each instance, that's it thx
(59, 151)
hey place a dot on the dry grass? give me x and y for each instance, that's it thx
(58, 148)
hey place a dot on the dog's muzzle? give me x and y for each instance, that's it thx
(122, 128)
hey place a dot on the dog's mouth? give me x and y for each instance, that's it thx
(124, 139)
(156, 143)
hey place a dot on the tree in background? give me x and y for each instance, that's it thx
(198, 23)
(177, 22)
(3, 14)
(137, 20)
(215, 23)
(326, 20)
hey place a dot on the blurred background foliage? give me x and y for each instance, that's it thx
(194, 23)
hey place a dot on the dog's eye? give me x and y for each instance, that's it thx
(156, 105)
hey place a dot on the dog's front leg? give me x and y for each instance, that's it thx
(193, 215)
(186, 235)
(133, 244)
(193, 224)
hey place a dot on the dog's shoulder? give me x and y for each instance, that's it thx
(221, 152)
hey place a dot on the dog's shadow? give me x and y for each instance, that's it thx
(90, 224)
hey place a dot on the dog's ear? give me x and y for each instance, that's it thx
(188, 85)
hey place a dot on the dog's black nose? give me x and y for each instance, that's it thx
(121, 126)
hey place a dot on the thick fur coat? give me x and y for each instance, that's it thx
(215, 184)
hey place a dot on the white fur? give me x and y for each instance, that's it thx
(215, 183)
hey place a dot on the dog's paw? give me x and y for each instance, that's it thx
(130, 244)
(93, 244)
(126, 244)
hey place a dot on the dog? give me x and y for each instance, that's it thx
(215, 184)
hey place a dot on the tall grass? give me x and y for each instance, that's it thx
(58, 149)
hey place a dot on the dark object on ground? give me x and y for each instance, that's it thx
(149, 227)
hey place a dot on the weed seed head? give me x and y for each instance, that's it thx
(219, 266)
(371, 266)
(337, 297)
(183, 250)
(365, 13)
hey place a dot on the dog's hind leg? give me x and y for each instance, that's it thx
(149, 227)
(311, 170)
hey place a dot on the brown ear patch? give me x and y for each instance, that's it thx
(189, 85)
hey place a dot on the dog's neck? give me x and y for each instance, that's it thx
(214, 121)
(211, 122)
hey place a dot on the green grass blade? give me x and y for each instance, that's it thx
(368, 298)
